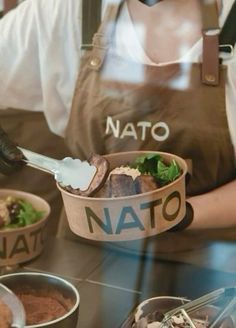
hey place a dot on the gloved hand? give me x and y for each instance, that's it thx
(10, 156)
(187, 220)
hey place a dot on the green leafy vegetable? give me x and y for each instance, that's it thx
(26, 215)
(147, 164)
(153, 164)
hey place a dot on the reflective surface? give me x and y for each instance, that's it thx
(113, 278)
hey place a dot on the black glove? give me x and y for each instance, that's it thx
(187, 220)
(10, 156)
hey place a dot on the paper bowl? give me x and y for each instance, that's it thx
(52, 284)
(166, 303)
(23, 244)
(131, 217)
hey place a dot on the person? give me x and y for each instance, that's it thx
(152, 80)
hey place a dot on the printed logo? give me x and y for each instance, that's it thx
(18, 245)
(128, 218)
(141, 130)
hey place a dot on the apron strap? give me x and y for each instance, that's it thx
(103, 37)
(210, 52)
(228, 33)
(91, 18)
(8, 5)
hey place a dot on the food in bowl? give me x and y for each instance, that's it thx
(150, 314)
(42, 305)
(130, 217)
(48, 300)
(146, 173)
(5, 315)
(154, 320)
(17, 212)
(24, 237)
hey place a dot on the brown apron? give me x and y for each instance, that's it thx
(122, 105)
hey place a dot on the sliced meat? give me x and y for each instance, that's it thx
(103, 192)
(145, 183)
(121, 185)
(99, 179)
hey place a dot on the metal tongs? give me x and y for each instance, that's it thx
(223, 294)
(68, 171)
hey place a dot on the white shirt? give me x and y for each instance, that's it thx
(38, 72)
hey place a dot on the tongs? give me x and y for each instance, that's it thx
(68, 171)
(228, 294)
(15, 305)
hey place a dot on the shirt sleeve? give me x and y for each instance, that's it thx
(39, 58)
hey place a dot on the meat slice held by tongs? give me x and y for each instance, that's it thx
(224, 299)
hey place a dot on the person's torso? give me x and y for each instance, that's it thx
(121, 104)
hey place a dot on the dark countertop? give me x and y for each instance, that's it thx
(113, 278)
